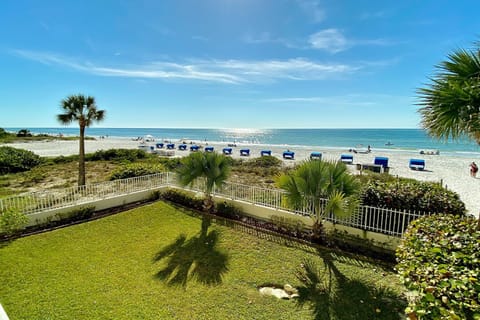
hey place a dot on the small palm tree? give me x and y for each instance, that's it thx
(81, 109)
(213, 167)
(315, 180)
(451, 102)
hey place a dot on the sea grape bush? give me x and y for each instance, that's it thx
(412, 195)
(11, 221)
(439, 263)
(183, 198)
(14, 160)
(136, 170)
(117, 155)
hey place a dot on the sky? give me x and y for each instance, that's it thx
(227, 63)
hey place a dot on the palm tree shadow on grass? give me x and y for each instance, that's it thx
(196, 258)
(331, 295)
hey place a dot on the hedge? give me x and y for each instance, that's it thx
(14, 160)
(439, 263)
(412, 196)
(136, 170)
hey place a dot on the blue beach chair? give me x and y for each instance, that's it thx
(417, 164)
(227, 151)
(194, 148)
(265, 153)
(182, 147)
(288, 155)
(245, 152)
(208, 149)
(316, 156)
(346, 158)
(171, 146)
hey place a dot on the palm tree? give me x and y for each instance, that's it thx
(451, 102)
(84, 110)
(315, 180)
(213, 167)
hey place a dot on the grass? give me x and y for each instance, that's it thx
(162, 262)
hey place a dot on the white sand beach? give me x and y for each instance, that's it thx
(451, 171)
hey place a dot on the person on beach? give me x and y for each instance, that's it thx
(473, 169)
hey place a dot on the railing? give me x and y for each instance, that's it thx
(387, 221)
(59, 198)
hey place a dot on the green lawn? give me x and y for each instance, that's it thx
(161, 262)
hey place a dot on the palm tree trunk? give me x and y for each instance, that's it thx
(81, 157)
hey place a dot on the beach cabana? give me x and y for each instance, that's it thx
(245, 152)
(265, 153)
(171, 146)
(288, 155)
(194, 148)
(381, 161)
(417, 164)
(346, 158)
(208, 149)
(316, 156)
(227, 151)
(159, 145)
(182, 147)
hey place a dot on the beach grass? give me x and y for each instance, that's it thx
(163, 262)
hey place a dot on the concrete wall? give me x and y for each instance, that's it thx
(373, 239)
(101, 204)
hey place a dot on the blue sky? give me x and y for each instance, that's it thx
(227, 63)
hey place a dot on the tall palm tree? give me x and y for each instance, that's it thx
(81, 109)
(213, 167)
(451, 102)
(313, 181)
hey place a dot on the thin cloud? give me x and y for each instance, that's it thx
(331, 40)
(358, 100)
(220, 71)
(266, 37)
(313, 9)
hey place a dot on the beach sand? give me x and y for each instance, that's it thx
(452, 172)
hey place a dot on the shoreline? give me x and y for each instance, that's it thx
(451, 171)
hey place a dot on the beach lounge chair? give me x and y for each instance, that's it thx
(171, 146)
(417, 164)
(194, 148)
(265, 153)
(316, 156)
(159, 145)
(288, 155)
(346, 158)
(208, 149)
(382, 161)
(182, 147)
(227, 151)
(245, 152)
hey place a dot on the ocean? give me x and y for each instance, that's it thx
(401, 140)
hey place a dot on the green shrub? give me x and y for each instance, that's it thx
(290, 225)
(77, 214)
(228, 210)
(116, 155)
(136, 170)
(171, 164)
(64, 159)
(3, 133)
(266, 162)
(439, 263)
(17, 160)
(412, 195)
(24, 133)
(12, 221)
(183, 198)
